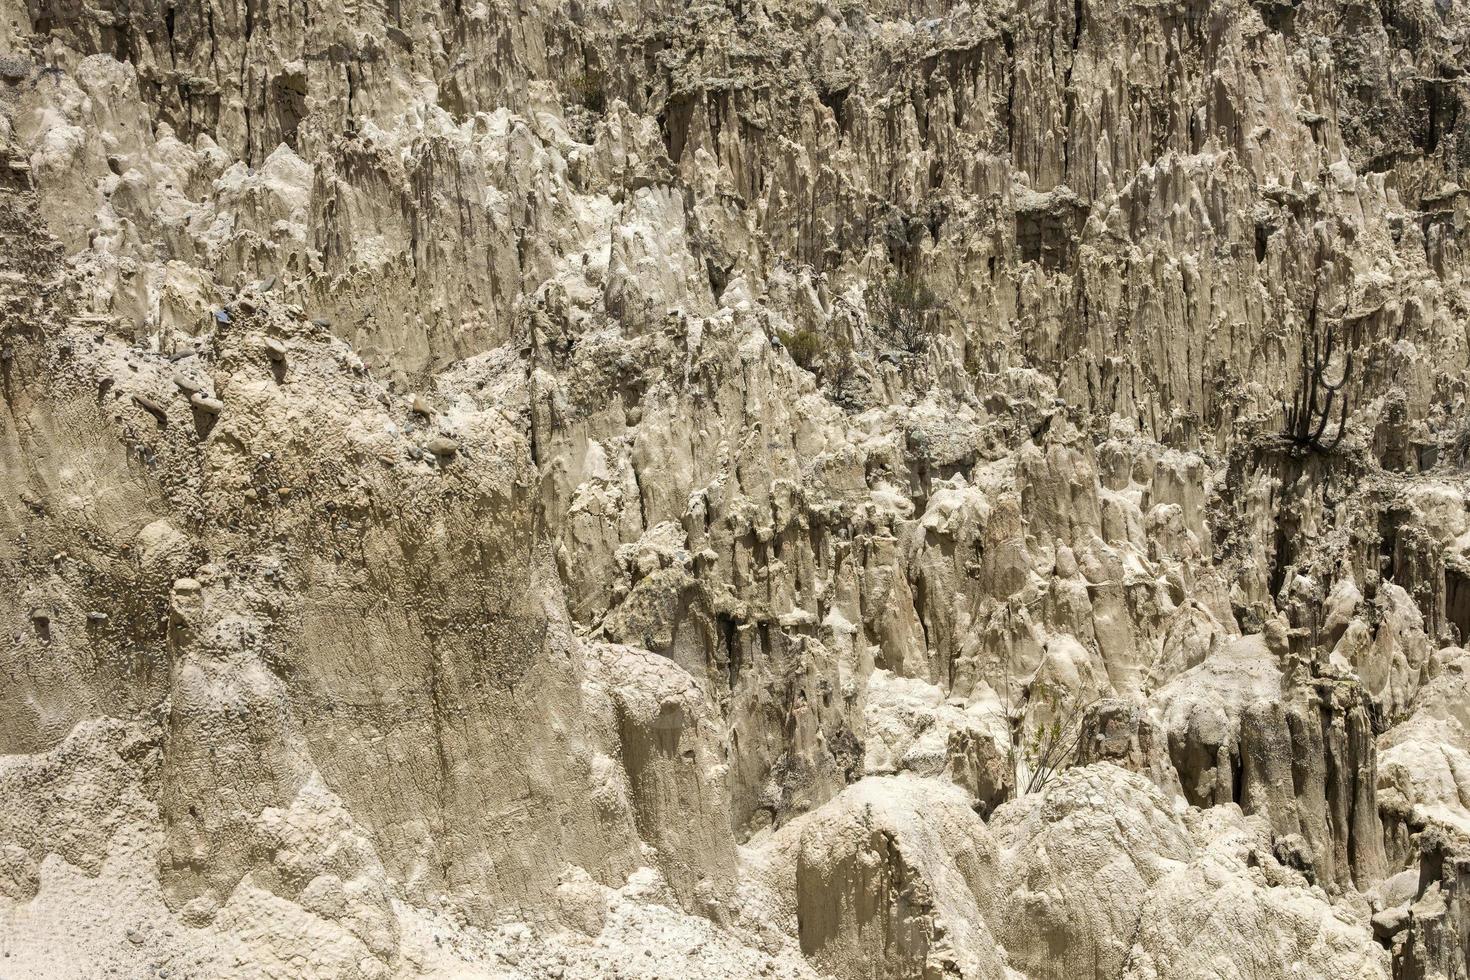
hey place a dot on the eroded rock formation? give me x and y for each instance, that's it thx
(848, 490)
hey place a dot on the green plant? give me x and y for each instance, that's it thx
(903, 310)
(804, 346)
(833, 360)
(589, 90)
(839, 372)
(1050, 748)
(974, 362)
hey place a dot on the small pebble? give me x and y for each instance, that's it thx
(443, 446)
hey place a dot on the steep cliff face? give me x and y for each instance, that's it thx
(843, 489)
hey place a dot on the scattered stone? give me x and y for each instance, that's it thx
(151, 406)
(443, 446)
(210, 406)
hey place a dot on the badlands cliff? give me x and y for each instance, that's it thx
(846, 489)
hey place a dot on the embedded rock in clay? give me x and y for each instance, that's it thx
(734, 490)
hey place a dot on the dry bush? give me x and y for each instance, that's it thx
(903, 310)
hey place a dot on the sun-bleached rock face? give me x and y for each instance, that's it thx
(1102, 875)
(1076, 858)
(280, 660)
(1301, 755)
(1423, 762)
(1423, 921)
(1233, 911)
(894, 879)
(746, 489)
(670, 746)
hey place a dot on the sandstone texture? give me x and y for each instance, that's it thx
(837, 490)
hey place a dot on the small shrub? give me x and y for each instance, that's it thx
(1458, 451)
(974, 362)
(840, 373)
(902, 309)
(831, 359)
(804, 346)
(589, 90)
(1310, 412)
(1051, 748)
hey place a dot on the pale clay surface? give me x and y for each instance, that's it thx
(470, 506)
